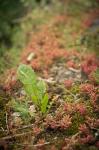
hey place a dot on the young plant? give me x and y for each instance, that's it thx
(22, 109)
(35, 89)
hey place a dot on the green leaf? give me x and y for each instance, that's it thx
(32, 92)
(26, 74)
(41, 87)
(44, 104)
(34, 88)
(22, 108)
(28, 77)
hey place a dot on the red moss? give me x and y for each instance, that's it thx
(95, 100)
(87, 139)
(53, 147)
(62, 122)
(46, 47)
(97, 144)
(87, 22)
(90, 64)
(71, 64)
(11, 80)
(36, 64)
(66, 122)
(83, 129)
(45, 73)
(88, 19)
(86, 88)
(41, 141)
(92, 78)
(68, 83)
(68, 107)
(85, 135)
(36, 130)
(81, 108)
(92, 122)
(51, 122)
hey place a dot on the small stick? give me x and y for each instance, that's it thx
(31, 145)
(26, 126)
(2, 129)
(74, 70)
(14, 136)
(72, 141)
(7, 122)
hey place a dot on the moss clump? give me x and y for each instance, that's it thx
(2, 115)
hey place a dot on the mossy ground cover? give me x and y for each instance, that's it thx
(57, 56)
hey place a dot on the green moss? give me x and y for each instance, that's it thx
(84, 147)
(75, 89)
(2, 115)
(76, 121)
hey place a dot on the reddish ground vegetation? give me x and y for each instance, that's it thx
(90, 64)
(88, 19)
(47, 48)
(42, 53)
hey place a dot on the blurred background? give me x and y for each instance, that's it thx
(19, 19)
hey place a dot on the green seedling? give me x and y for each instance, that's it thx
(22, 109)
(35, 89)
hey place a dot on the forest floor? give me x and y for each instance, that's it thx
(57, 56)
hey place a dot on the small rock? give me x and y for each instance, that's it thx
(22, 92)
(30, 57)
(15, 114)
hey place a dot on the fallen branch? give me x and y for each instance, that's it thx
(31, 145)
(74, 70)
(14, 136)
(7, 122)
(72, 141)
